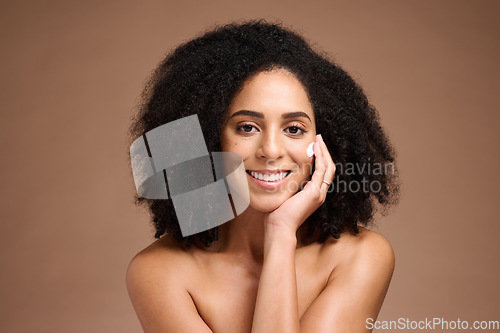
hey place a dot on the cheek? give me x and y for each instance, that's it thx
(240, 147)
(227, 142)
(304, 163)
(308, 166)
(232, 146)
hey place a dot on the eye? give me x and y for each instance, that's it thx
(246, 128)
(295, 130)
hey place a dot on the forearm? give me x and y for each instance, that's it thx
(276, 308)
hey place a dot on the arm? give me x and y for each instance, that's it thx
(276, 307)
(159, 297)
(355, 290)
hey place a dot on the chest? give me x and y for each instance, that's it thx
(226, 297)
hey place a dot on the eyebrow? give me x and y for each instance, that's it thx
(248, 113)
(261, 115)
(295, 115)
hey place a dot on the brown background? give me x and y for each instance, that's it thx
(71, 73)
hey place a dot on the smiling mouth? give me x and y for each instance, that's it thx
(269, 176)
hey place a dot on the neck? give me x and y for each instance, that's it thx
(244, 235)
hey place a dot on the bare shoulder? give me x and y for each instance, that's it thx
(158, 281)
(163, 257)
(368, 242)
(367, 251)
(159, 265)
(360, 268)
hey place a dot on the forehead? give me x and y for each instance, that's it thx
(272, 93)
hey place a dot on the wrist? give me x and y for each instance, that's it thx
(279, 236)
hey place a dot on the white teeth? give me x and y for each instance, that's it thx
(269, 177)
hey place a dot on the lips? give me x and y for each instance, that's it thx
(269, 176)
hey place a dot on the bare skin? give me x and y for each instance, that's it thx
(263, 274)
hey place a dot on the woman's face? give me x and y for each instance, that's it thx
(270, 124)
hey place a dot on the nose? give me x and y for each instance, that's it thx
(270, 146)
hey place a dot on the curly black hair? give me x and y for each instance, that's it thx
(203, 75)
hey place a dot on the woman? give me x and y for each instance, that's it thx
(299, 258)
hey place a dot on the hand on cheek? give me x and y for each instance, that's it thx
(294, 211)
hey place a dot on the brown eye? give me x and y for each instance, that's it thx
(247, 128)
(295, 130)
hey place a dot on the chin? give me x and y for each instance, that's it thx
(267, 204)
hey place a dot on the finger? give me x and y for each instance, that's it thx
(329, 167)
(319, 165)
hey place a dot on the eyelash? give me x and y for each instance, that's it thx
(301, 130)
